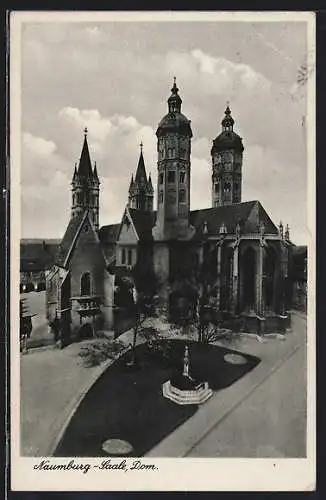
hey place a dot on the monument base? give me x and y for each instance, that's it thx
(198, 394)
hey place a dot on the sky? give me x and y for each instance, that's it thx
(115, 78)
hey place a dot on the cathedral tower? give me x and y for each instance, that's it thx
(85, 186)
(141, 189)
(226, 164)
(173, 185)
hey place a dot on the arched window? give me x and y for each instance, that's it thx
(85, 284)
(160, 197)
(161, 178)
(123, 256)
(182, 196)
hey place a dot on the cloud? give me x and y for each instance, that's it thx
(115, 79)
(38, 145)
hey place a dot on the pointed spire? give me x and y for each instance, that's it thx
(287, 232)
(85, 167)
(95, 174)
(174, 100)
(74, 177)
(131, 185)
(280, 228)
(141, 170)
(150, 185)
(227, 122)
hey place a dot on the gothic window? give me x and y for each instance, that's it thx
(85, 284)
(170, 153)
(217, 187)
(86, 198)
(173, 152)
(161, 178)
(129, 257)
(182, 195)
(160, 197)
(227, 187)
(171, 176)
(123, 256)
(182, 177)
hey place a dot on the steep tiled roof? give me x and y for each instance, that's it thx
(247, 214)
(68, 239)
(109, 234)
(143, 222)
(230, 215)
(141, 170)
(85, 166)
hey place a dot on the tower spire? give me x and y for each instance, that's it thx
(140, 188)
(227, 122)
(85, 166)
(174, 100)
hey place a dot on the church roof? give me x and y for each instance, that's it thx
(68, 239)
(109, 234)
(85, 165)
(248, 215)
(174, 120)
(143, 222)
(141, 170)
(226, 140)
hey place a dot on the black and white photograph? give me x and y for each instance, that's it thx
(162, 250)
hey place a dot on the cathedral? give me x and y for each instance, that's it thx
(229, 255)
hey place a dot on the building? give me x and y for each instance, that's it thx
(230, 255)
(36, 257)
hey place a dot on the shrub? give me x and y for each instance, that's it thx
(97, 352)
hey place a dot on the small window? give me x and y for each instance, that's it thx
(161, 178)
(129, 257)
(217, 187)
(85, 284)
(173, 152)
(182, 195)
(160, 197)
(182, 177)
(123, 256)
(171, 176)
(227, 187)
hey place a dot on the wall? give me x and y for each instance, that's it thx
(87, 256)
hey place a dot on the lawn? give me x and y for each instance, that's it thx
(128, 404)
